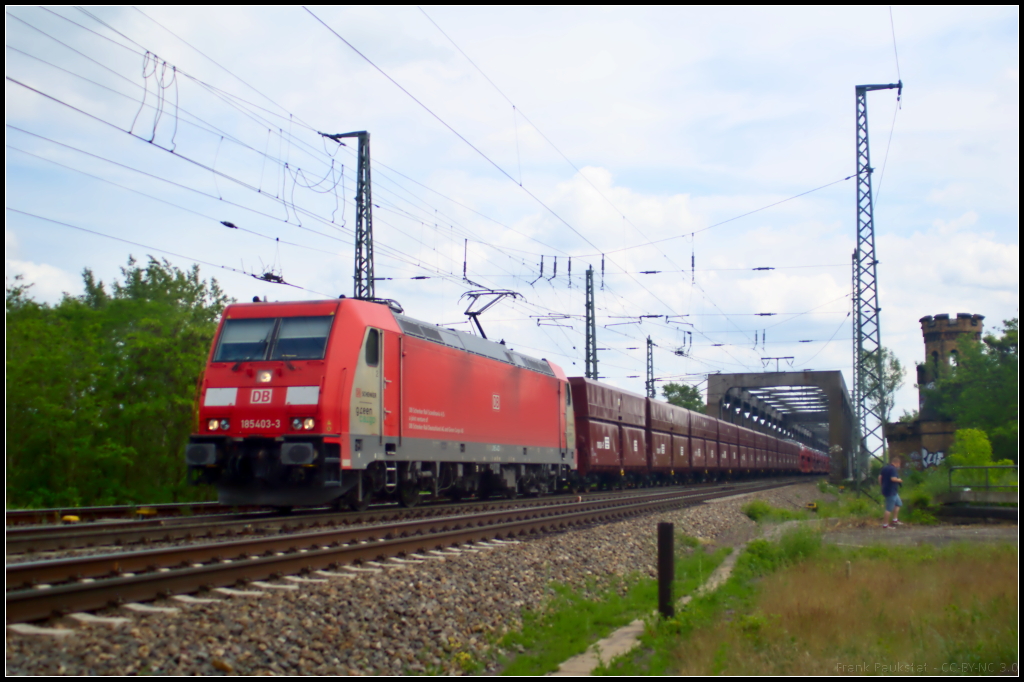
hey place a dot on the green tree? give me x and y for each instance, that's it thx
(682, 395)
(881, 390)
(980, 391)
(101, 387)
(970, 447)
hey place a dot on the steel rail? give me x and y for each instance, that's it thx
(23, 517)
(96, 566)
(37, 604)
(56, 538)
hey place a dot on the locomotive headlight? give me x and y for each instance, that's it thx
(263, 376)
(296, 423)
(224, 424)
(308, 423)
(213, 424)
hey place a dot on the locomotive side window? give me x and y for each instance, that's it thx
(244, 340)
(302, 338)
(373, 348)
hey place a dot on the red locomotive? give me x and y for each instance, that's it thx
(338, 401)
(343, 401)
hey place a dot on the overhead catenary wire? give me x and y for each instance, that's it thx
(597, 189)
(501, 170)
(62, 102)
(899, 104)
(291, 139)
(158, 250)
(221, 138)
(226, 97)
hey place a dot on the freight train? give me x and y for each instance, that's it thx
(346, 401)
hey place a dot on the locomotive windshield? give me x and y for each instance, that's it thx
(287, 338)
(302, 338)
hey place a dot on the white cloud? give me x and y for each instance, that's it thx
(947, 227)
(682, 117)
(47, 284)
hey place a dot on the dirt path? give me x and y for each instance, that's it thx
(938, 535)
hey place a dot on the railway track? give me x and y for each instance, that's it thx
(39, 590)
(124, 513)
(211, 525)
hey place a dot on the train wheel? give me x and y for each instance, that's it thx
(408, 495)
(360, 505)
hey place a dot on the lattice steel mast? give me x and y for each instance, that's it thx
(867, 359)
(650, 369)
(591, 352)
(363, 278)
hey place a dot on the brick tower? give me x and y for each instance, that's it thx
(942, 337)
(925, 441)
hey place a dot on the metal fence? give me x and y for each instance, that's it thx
(988, 484)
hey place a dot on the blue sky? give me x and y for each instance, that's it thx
(672, 120)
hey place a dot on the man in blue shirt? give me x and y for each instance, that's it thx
(891, 482)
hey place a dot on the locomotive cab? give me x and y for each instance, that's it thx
(264, 430)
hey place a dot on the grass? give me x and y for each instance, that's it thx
(849, 505)
(798, 608)
(846, 504)
(574, 619)
(759, 510)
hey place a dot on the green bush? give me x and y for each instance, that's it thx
(757, 509)
(762, 557)
(919, 506)
(971, 447)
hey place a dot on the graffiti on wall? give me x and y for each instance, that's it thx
(925, 459)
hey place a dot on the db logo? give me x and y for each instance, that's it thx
(261, 396)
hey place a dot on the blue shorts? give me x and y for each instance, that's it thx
(893, 501)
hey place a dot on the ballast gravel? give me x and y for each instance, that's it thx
(442, 616)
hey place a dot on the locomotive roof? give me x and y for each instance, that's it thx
(471, 343)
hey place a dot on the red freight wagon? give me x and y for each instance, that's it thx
(681, 455)
(760, 441)
(728, 443)
(594, 400)
(664, 419)
(733, 451)
(704, 428)
(634, 450)
(625, 412)
(322, 401)
(746, 440)
(660, 452)
(597, 446)
(698, 452)
(711, 457)
(660, 427)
